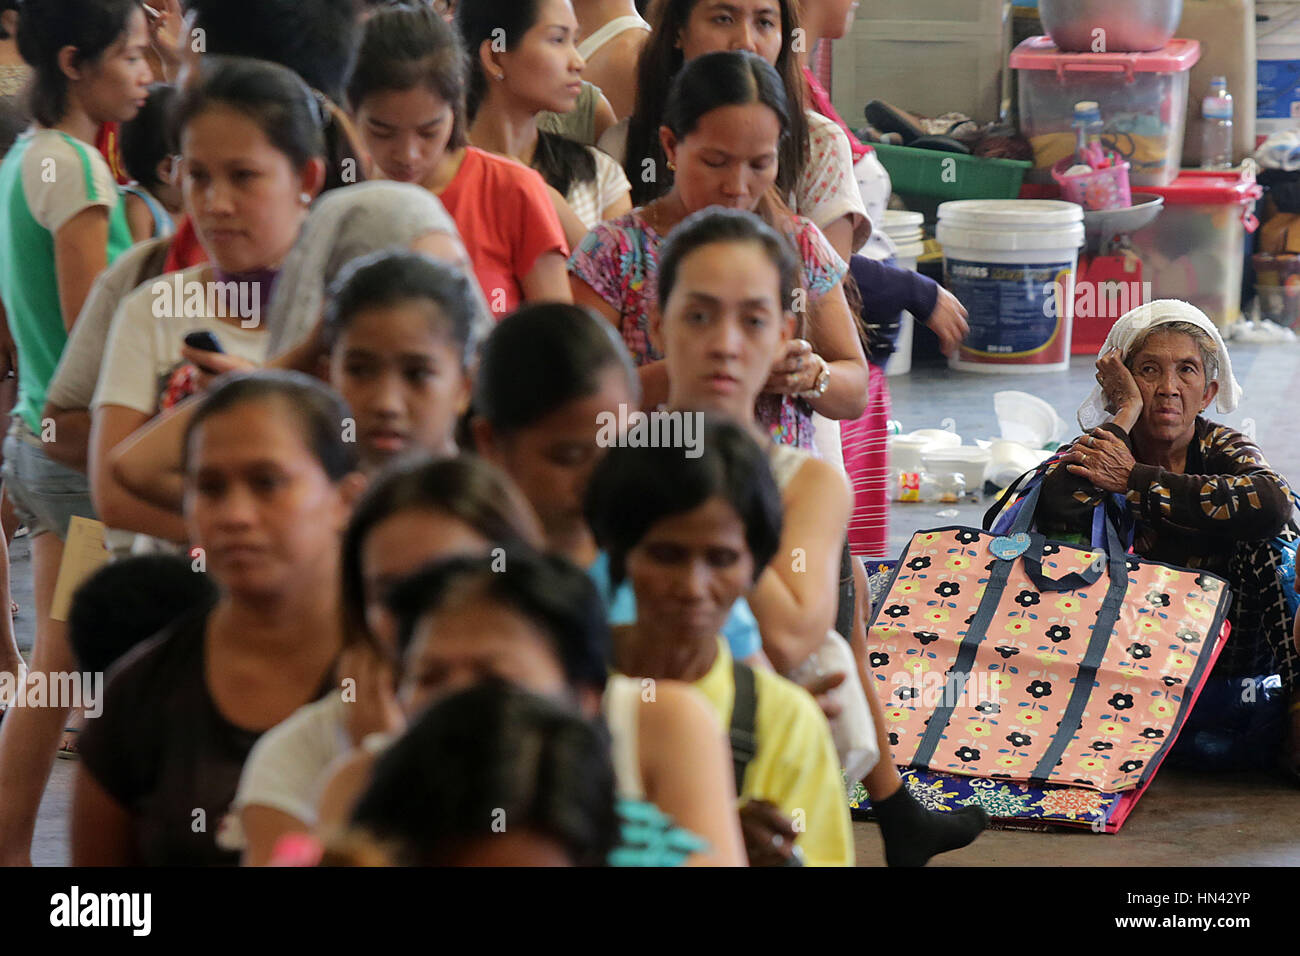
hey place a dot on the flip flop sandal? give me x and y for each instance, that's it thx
(68, 747)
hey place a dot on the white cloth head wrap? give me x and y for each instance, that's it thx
(344, 224)
(1133, 326)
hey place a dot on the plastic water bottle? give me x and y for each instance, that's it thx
(1216, 131)
(1087, 129)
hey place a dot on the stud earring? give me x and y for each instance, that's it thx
(306, 198)
(672, 167)
(498, 76)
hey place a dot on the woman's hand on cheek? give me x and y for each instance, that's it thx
(1102, 458)
(795, 371)
(1118, 385)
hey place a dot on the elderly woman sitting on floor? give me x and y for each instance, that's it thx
(1200, 495)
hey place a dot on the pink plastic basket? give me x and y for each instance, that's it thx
(1098, 190)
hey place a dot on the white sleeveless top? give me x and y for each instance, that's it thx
(613, 28)
(620, 706)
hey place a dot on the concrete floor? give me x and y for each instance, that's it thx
(1183, 820)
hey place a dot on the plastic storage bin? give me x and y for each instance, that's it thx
(1195, 250)
(925, 56)
(938, 175)
(1143, 100)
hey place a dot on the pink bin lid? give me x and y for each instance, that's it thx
(1040, 53)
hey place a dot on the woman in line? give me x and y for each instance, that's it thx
(726, 119)
(414, 514)
(549, 377)
(62, 222)
(693, 535)
(407, 94)
(493, 753)
(270, 485)
(613, 34)
(399, 336)
(253, 159)
(538, 623)
(1198, 494)
(538, 69)
(718, 326)
(343, 224)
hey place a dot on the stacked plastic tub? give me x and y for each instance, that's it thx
(1143, 100)
(1195, 249)
(907, 232)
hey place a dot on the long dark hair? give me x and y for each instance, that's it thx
(660, 62)
(540, 358)
(561, 161)
(299, 122)
(92, 26)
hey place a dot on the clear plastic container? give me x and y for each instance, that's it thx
(1142, 97)
(1195, 248)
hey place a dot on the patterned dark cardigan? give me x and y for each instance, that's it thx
(1218, 516)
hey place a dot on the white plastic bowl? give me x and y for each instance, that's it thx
(938, 436)
(905, 452)
(1011, 459)
(1027, 419)
(972, 462)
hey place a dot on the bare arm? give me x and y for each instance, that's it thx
(101, 827)
(796, 597)
(71, 438)
(840, 235)
(346, 779)
(116, 505)
(138, 218)
(687, 771)
(147, 463)
(80, 254)
(548, 280)
(654, 375)
(605, 117)
(574, 230)
(620, 207)
(263, 826)
(834, 336)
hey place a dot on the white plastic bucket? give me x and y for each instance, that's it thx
(1011, 263)
(1277, 51)
(907, 232)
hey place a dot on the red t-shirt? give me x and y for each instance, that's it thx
(506, 221)
(185, 250)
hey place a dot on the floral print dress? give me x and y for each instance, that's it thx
(620, 261)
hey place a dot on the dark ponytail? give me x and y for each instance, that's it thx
(541, 357)
(301, 123)
(561, 161)
(660, 61)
